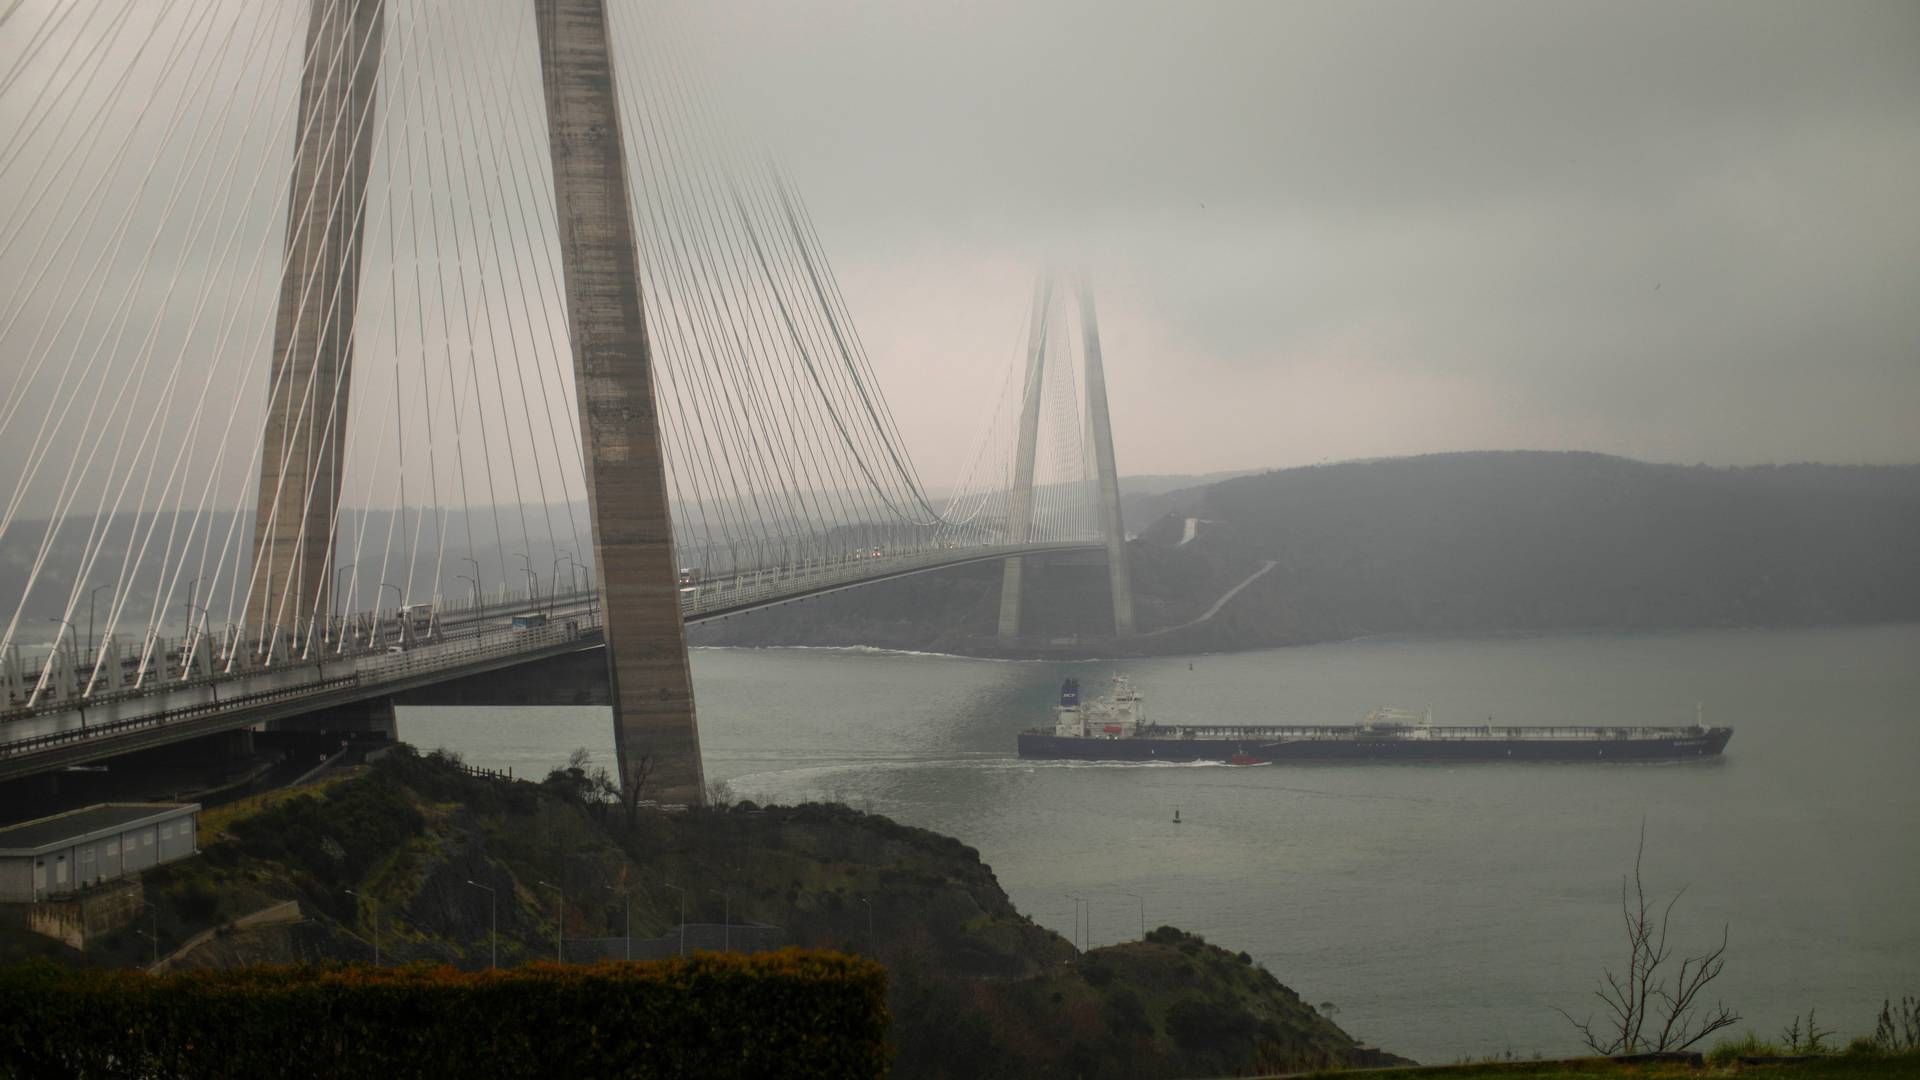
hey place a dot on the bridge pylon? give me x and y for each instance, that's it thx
(1020, 498)
(1106, 478)
(656, 737)
(303, 444)
(1106, 474)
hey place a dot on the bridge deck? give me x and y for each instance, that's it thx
(465, 641)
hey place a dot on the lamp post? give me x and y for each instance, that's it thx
(475, 587)
(871, 949)
(375, 908)
(553, 580)
(627, 920)
(195, 634)
(533, 582)
(1077, 902)
(476, 577)
(559, 923)
(683, 914)
(65, 628)
(91, 597)
(337, 571)
(493, 923)
(399, 598)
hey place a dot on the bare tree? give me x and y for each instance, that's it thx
(634, 790)
(1651, 1007)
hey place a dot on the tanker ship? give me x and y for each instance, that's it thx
(1116, 728)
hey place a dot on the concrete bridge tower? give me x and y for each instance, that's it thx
(1106, 478)
(1020, 498)
(1106, 475)
(303, 443)
(656, 737)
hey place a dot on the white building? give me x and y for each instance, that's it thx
(68, 852)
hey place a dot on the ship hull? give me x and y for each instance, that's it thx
(1281, 750)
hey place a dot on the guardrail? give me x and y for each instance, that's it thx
(383, 669)
(86, 732)
(463, 639)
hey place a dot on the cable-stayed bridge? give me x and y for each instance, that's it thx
(522, 266)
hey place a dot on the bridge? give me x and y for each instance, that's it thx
(526, 296)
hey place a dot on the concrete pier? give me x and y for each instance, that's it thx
(656, 736)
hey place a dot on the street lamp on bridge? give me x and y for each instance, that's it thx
(533, 587)
(91, 597)
(65, 626)
(399, 599)
(332, 607)
(475, 578)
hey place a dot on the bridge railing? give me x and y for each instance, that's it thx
(328, 677)
(461, 638)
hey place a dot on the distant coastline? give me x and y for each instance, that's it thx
(1441, 546)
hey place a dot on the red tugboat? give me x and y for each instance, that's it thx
(1115, 728)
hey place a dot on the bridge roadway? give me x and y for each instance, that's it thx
(466, 641)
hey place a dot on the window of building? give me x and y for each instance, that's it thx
(146, 839)
(113, 848)
(166, 832)
(60, 870)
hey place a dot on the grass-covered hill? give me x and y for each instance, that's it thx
(1495, 542)
(975, 988)
(1471, 543)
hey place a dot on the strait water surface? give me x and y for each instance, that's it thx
(1442, 909)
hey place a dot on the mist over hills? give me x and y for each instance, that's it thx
(1468, 543)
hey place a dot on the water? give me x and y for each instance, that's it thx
(1443, 909)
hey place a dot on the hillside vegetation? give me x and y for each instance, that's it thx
(1476, 543)
(975, 988)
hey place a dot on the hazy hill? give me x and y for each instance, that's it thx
(1457, 544)
(1489, 542)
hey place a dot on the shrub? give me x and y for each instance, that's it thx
(1127, 1014)
(1726, 1051)
(1202, 1025)
(790, 1013)
(1898, 1031)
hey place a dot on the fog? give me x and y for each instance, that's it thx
(1316, 231)
(1676, 232)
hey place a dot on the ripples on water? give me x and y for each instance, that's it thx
(1443, 908)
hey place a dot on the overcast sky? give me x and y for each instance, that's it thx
(1677, 231)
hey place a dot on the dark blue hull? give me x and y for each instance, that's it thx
(1253, 749)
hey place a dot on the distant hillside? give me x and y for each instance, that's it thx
(1458, 544)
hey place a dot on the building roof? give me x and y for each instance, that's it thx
(86, 823)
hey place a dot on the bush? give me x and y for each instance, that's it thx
(789, 1013)
(1727, 1051)
(1201, 1025)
